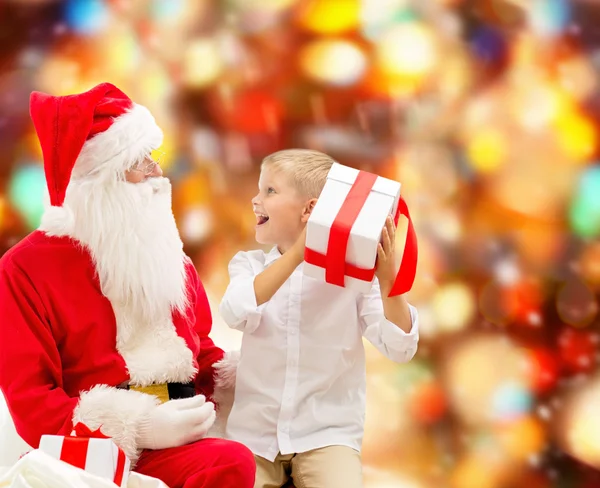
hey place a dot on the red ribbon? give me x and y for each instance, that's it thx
(334, 261)
(75, 449)
(82, 430)
(342, 225)
(408, 266)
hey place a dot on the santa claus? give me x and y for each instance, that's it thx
(103, 319)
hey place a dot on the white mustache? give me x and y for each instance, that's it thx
(155, 185)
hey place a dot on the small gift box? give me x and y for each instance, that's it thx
(91, 451)
(345, 228)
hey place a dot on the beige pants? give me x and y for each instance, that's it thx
(328, 467)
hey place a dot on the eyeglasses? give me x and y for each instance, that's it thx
(148, 167)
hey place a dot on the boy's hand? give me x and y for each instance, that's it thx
(386, 261)
(395, 308)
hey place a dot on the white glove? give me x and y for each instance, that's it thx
(176, 423)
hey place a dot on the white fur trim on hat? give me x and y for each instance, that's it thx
(57, 221)
(131, 136)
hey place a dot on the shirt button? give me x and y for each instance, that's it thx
(293, 331)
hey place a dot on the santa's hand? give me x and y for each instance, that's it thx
(176, 423)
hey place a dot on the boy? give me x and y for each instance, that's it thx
(300, 389)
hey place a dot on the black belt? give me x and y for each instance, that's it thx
(164, 391)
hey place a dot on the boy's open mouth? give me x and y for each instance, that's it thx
(261, 219)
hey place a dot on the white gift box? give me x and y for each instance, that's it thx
(371, 200)
(97, 456)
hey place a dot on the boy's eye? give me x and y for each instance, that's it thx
(270, 190)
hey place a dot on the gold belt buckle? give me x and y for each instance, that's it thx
(161, 391)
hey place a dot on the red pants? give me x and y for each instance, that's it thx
(209, 463)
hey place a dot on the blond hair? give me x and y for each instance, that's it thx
(306, 168)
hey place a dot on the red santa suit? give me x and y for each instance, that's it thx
(81, 331)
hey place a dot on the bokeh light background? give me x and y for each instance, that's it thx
(488, 113)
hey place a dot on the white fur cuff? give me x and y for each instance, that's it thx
(225, 374)
(226, 369)
(118, 412)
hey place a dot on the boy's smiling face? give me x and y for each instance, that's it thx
(279, 210)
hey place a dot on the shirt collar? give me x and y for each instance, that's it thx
(272, 255)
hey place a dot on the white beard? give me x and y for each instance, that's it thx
(131, 234)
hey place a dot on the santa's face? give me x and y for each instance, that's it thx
(144, 170)
(132, 236)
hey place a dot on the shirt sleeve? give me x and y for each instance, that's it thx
(387, 337)
(238, 306)
(30, 363)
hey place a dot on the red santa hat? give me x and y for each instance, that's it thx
(99, 133)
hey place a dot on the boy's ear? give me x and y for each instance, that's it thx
(307, 210)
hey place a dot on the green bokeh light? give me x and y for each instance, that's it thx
(584, 213)
(26, 193)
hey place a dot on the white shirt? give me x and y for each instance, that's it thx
(301, 378)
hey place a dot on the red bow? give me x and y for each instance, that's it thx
(76, 454)
(82, 430)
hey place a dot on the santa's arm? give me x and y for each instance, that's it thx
(216, 369)
(31, 375)
(30, 364)
(209, 354)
